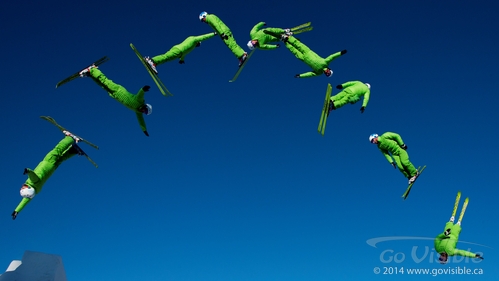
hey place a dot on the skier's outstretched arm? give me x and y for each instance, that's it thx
(31, 175)
(142, 123)
(306, 75)
(334, 56)
(464, 253)
(366, 98)
(19, 207)
(256, 28)
(395, 137)
(269, 46)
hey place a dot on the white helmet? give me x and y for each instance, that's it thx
(202, 16)
(149, 109)
(368, 85)
(27, 192)
(372, 137)
(330, 72)
(250, 45)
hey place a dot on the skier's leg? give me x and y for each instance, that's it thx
(407, 165)
(302, 48)
(233, 46)
(340, 99)
(172, 54)
(400, 166)
(294, 51)
(55, 154)
(104, 82)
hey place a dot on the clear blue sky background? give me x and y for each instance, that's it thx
(234, 182)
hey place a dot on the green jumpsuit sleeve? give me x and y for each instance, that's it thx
(387, 156)
(22, 204)
(464, 253)
(188, 45)
(332, 57)
(394, 136)
(366, 98)
(308, 74)
(32, 176)
(142, 122)
(255, 29)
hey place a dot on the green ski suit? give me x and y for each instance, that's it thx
(447, 243)
(390, 143)
(352, 91)
(119, 93)
(181, 50)
(37, 177)
(257, 34)
(224, 31)
(303, 53)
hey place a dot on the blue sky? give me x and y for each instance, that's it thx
(234, 182)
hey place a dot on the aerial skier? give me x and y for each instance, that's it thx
(352, 92)
(64, 150)
(260, 39)
(179, 51)
(223, 30)
(445, 243)
(394, 149)
(133, 102)
(301, 51)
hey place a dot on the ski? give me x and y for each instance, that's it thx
(307, 24)
(78, 149)
(77, 74)
(463, 209)
(241, 67)
(456, 204)
(51, 120)
(406, 193)
(325, 111)
(153, 74)
(302, 30)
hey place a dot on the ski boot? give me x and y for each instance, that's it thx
(67, 133)
(86, 72)
(151, 64)
(413, 178)
(242, 59)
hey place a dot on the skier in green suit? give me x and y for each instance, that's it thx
(64, 150)
(134, 102)
(352, 91)
(393, 148)
(259, 39)
(226, 35)
(445, 242)
(318, 64)
(179, 51)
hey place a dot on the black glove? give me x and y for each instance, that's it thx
(447, 232)
(404, 147)
(14, 215)
(362, 109)
(181, 61)
(277, 45)
(215, 33)
(478, 256)
(343, 52)
(264, 24)
(297, 76)
(25, 171)
(146, 88)
(339, 87)
(145, 132)
(394, 166)
(225, 37)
